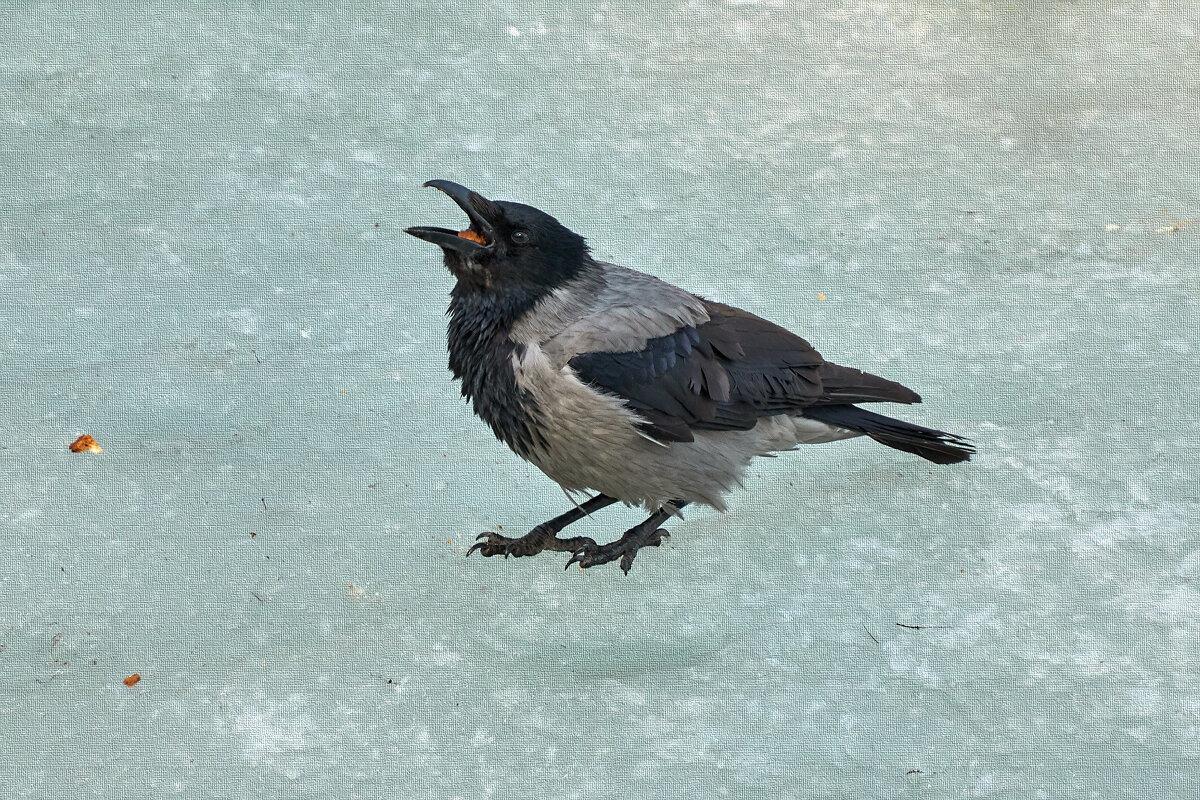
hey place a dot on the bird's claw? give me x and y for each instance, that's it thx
(490, 543)
(480, 545)
(625, 548)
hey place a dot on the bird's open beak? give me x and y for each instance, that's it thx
(479, 238)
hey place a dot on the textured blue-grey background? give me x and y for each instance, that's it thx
(202, 264)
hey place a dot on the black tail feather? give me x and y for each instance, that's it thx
(934, 445)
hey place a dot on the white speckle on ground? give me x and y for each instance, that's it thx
(273, 734)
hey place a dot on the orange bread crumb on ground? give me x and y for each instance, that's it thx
(132, 679)
(86, 444)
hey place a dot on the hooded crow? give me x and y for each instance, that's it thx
(613, 381)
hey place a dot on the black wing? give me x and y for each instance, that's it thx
(726, 373)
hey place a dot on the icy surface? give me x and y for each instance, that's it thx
(202, 265)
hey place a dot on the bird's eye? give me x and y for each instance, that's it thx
(520, 237)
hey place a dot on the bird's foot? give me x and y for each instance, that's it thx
(493, 544)
(625, 548)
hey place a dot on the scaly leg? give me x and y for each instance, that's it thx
(645, 534)
(544, 536)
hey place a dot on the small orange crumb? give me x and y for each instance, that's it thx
(473, 236)
(820, 296)
(132, 679)
(85, 444)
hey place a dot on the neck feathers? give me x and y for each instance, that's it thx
(481, 357)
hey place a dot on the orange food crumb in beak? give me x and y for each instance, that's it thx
(473, 236)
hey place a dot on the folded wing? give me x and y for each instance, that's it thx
(724, 374)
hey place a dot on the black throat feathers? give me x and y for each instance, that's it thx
(481, 357)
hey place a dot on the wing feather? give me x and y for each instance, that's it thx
(724, 374)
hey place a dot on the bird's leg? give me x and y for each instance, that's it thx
(544, 536)
(645, 534)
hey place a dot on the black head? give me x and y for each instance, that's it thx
(509, 247)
